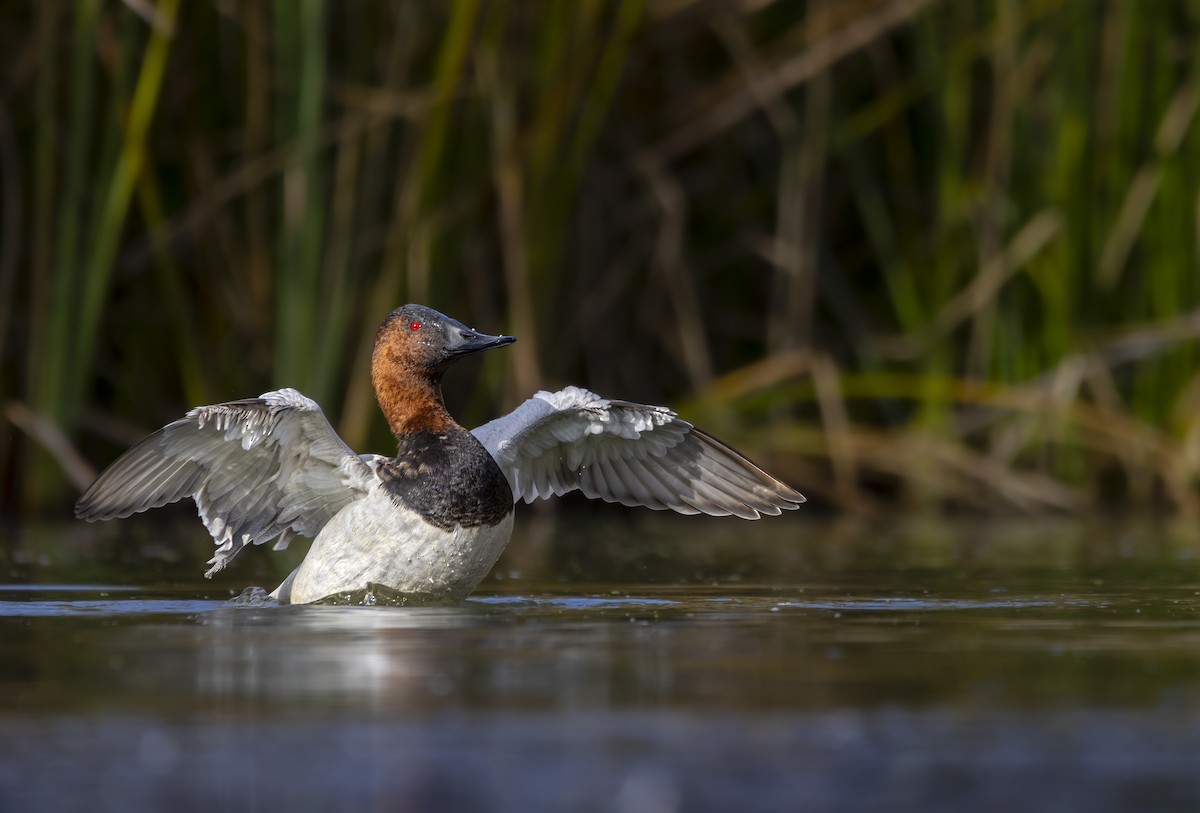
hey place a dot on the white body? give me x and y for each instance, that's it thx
(372, 541)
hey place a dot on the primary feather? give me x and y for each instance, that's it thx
(628, 453)
(258, 469)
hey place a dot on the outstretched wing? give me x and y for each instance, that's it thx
(628, 453)
(257, 469)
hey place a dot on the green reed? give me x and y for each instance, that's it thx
(934, 252)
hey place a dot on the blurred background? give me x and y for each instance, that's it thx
(935, 255)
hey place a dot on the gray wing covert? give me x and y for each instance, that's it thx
(258, 469)
(628, 453)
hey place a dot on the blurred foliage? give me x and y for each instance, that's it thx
(940, 253)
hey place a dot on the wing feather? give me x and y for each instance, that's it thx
(627, 453)
(258, 469)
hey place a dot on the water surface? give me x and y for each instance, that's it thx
(646, 664)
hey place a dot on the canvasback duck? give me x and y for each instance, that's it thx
(429, 523)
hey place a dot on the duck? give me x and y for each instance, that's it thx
(428, 524)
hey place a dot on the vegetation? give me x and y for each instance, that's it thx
(940, 253)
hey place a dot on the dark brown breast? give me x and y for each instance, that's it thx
(448, 478)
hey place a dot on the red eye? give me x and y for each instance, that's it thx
(415, 326)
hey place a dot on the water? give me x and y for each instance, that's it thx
(647, 665)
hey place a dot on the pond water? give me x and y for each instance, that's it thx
(646, 664)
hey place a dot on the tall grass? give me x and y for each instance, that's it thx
(938, 253)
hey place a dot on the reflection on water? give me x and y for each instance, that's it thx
(648, 668)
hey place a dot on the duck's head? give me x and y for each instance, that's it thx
(413, 347)
(417, 339)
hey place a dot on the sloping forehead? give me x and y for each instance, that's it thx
(417, 313)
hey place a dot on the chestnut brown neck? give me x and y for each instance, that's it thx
(411, 400)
